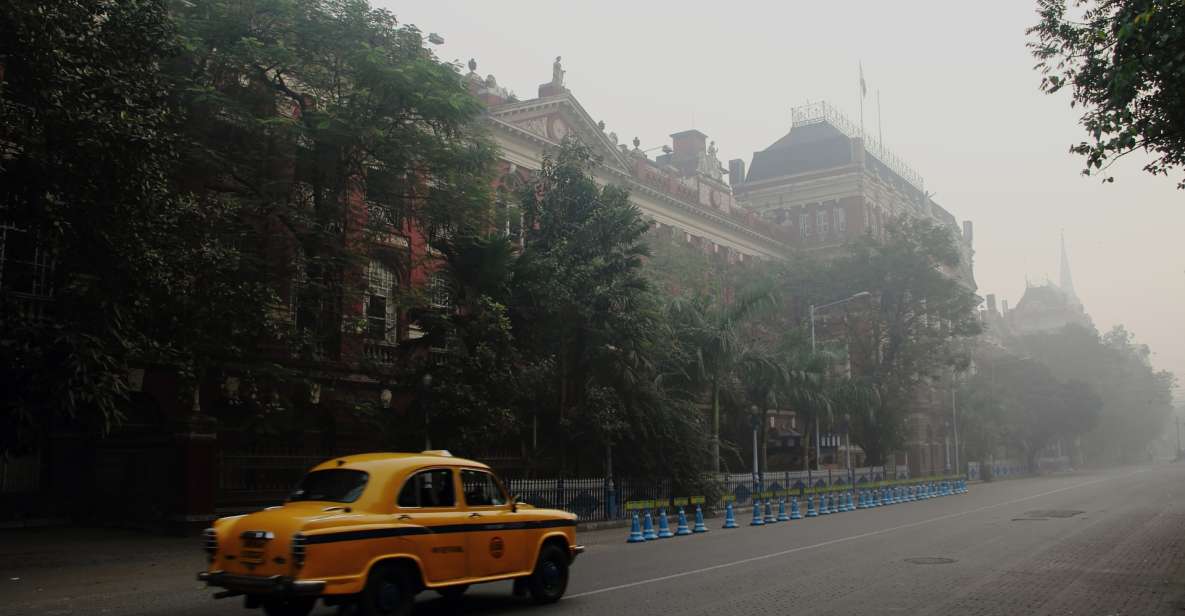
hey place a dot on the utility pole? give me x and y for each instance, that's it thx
(1178, 437)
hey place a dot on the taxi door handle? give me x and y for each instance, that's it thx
(475, 515)
(404, 517)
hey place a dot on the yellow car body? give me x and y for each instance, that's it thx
(447, 522)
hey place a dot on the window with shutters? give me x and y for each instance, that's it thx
(379, 303)
(26, 270)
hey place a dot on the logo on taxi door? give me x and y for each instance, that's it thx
(496, 547)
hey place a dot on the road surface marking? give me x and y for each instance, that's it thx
(835, 541)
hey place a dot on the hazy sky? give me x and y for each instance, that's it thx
(959, 99)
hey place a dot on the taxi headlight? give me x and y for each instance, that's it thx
(298, 549)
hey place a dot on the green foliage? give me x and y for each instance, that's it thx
(1136, 399)
(87, 135)
(184, 164)
(1018, 402)
(1121, 62)
(908, 336)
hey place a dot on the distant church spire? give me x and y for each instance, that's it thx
(1067, 281)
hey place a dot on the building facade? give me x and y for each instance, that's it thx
(826, 184)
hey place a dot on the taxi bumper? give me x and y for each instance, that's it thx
(274, 585)
(574, 551)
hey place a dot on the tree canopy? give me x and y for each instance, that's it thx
(1120, 61)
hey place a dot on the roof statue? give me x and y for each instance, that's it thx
(712, 150)
(557, 73)
(472, 65)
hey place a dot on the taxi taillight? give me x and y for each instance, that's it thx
(210, 538)
(298, 549)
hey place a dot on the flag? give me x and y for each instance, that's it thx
(863, 87)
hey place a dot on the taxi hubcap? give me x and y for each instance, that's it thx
(551, 575)
(389, 596)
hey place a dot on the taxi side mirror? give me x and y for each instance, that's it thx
(514, 504)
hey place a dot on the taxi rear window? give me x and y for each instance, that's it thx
(338, 485)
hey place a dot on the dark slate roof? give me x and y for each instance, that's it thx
(805, 148)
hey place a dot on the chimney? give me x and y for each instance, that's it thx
(689, 145)
(968, 233)
(736, 172)
(991, 302)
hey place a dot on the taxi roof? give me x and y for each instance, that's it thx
(390, 462)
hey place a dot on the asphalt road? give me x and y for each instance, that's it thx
(1108, 543)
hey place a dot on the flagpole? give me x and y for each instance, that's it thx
(862, 90)
(880, 133)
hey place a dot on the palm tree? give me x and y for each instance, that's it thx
(713, 331)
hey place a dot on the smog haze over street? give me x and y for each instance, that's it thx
(960, 102)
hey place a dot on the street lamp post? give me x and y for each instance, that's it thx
(426, 395)
(946, 442)
(813, 310)
(754, 422)
(847, 433)
(1178, 437)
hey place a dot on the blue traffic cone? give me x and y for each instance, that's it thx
(833, 503)
(848, 506)
(730, 520)
(859, 499)
(782, 517)
(769, 511)
(648, 528)
(880, 497)
(699, 521)
(664, 526)
(757, 519)
(896, 495)
(635, 530)
(810, 507)
(795, 514)
(822, 505)
(682, 529)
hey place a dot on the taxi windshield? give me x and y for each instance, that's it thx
(339, 485)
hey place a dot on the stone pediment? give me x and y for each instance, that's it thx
(556, 118)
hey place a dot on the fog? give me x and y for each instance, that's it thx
(959, 101)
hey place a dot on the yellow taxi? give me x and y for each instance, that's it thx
(368, 532)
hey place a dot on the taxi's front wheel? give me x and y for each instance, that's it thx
(389, 591)
(550, 578)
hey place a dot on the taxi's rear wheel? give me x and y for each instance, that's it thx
(294, 606)
(550, 578)
(390, 591)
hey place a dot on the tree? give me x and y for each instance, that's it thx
(197, 172)
(102, 254)
(1019, 402)
(1136, 399)
(1120, 61)
(713, 330)
(907, 339)
(579, 294)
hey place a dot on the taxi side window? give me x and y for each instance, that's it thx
(481, 489)
(432, 488)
